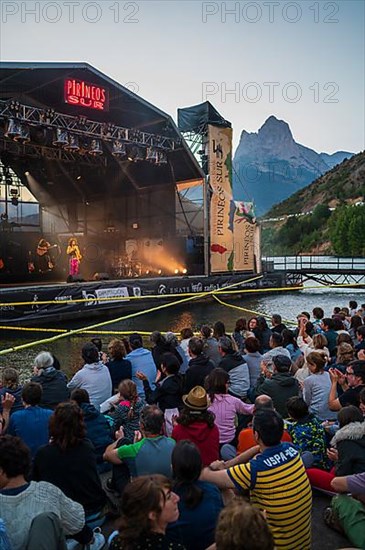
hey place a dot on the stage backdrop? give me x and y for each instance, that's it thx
(232, 224)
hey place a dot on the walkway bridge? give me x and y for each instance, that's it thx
(326, 270)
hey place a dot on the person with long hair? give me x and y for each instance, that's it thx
(200, 502)
(75, 257)
(168, 391)
(147, 507)
(195, 423)
(69, 462)
(128, 409)
(224, 406)
(317, 387)
(119, 367)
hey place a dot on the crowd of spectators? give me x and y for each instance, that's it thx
(210, 441)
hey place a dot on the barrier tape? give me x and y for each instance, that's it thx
(257, 313)
(187, 294)
(111, 321)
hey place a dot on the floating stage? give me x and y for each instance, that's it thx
(40, 304)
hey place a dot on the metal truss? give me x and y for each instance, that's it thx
(84, 127)
(50, 153)
(336, 279)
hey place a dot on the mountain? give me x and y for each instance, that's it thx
(269, 165)
(344, 183)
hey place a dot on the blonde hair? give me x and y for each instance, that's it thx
(116, 349)
(319, 341)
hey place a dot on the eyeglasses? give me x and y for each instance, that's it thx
(349, 373)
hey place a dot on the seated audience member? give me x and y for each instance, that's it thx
(99, 345)
(352, 382)
(10, 384)
(246, 438)
(345, 353)
(224, 406)
(277, 324)
(347, 513)
(317, 387)
(347, 449)
(119, 367)
(276, 348)
(168, 391)
(97, 426)
(287, 503)
(31, 423)
(94, 377)
(142, 361)
(239, 334)
(147, 507)
(149, 454)
(199, 365)
(219, 330)
(22, 502)
(53, 381)
(253, 359)
(69, 462)
(240, 522)
(7, 401)
(279, 384)
(210, 347)
(177, 350)
(362, 401)
(200, 502)
(307, 433)
(195, 423)
(360, 334)
(290, 344)
(160, 347)
(318, 315)
(355, 323)
(263, 333)
(128, 409)
(186, 334)
(327, 326)
(233, 363)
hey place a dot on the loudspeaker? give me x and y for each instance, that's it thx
(101, 277)
(75, 279)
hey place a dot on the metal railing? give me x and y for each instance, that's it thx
(309, 263)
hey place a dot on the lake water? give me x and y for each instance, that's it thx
(288, 304)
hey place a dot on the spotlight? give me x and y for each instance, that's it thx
(184, 271)
(152, 155)
(95, 148)
(159, 272)
(14, 129)
(176, 271)
(119, 149)
(23, 137)
(27, 173)
(78, 177)
(73, 143)
(14, 106)
(136, 153)
(61, 138)
(147, 271)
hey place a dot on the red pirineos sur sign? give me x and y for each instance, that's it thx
(85, 94)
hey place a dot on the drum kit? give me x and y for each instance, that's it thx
(123, 267)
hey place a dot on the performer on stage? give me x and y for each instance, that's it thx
(44, 262)
(73, 251)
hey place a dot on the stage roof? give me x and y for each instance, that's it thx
(42, 85)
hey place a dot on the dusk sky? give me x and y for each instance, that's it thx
(300, 61)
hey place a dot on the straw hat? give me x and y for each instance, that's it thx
(196, 399)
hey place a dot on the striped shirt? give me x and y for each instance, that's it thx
(278, 484)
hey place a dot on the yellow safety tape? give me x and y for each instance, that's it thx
(110, 321)
(258, 313)
(187, 294)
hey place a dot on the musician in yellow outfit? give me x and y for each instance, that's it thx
(73, 251)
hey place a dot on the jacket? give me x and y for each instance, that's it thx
(97, 429)
(350, 443)
(279, 387)
(17, 393)
(205, 438)
(167, 394)
(119, 369)
(199, 368)
(95, 379)
(239, 376)
(54, 386)
(142, 360)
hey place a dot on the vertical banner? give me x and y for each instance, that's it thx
(257, 248)
(244, 228)
(220, 179)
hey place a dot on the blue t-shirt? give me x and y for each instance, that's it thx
(31, 425)
(195, 526)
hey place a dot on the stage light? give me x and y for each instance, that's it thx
(96, 148)
(119, 149)
(73, 143)
(176, 271)
(27, 173)
(152, 155)
(14, 129)
(159, 272)
(61, 138)
(14, 106)
(136, 153)
(79, 177)
(24, 136)
(184, 271)
(162, 157)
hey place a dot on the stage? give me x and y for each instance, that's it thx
(92, 299)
